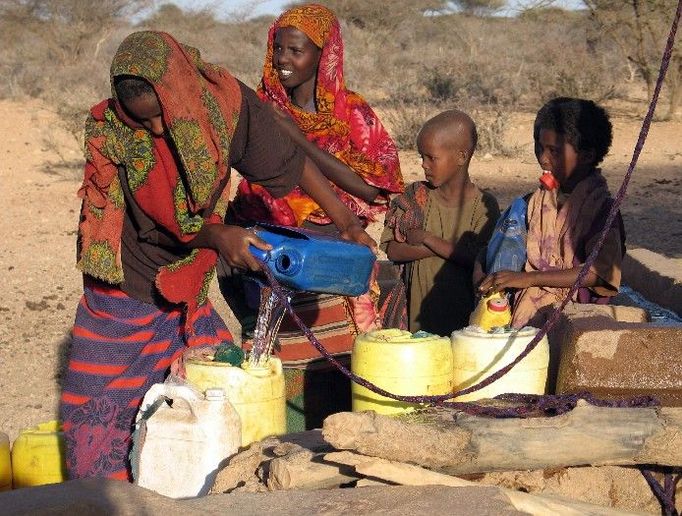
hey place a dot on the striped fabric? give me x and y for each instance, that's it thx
(121, 346)
(330, 319)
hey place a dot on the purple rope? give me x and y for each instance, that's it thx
(664, 493)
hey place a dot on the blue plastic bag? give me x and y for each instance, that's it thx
(507, 246)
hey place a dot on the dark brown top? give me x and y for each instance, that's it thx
(258, 151)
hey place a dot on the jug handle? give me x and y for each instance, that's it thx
(182, 393)
(259, 253)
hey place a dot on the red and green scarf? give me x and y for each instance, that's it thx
(200, 104)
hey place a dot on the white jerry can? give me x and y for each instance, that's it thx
(182, 439)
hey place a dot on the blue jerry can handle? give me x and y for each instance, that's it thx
(263, 256)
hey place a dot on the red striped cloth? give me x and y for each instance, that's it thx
(121, 346)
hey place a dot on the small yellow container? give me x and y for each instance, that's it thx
(38, 456)
(258, 394)
(5, 463)
(492, 311)
(400, 363)
(477, 355)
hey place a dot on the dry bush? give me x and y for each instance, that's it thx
(407, 64)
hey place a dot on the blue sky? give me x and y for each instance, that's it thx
(258, 7)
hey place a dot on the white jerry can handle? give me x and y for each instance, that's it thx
(181, 393)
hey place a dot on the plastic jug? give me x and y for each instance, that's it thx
(401, 363)
(478, 354)
(182, 439)
(5, 463)
(257, 394)
(492, 311)
(507, 246)
(314, 262)
(38, 456)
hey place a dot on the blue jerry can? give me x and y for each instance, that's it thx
(309, 261)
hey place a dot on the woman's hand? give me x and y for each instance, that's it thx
(232, 243)
(356, 234)
(499, 281)
(286, 123)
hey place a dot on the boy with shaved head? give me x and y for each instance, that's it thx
(436, 228)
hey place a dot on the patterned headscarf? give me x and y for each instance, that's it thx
(344, 125)
(200, 104)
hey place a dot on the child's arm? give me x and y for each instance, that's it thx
(427, 244)
(404, 252)
(565, 278)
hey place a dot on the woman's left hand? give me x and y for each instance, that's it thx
(499, 281)
(356, 234)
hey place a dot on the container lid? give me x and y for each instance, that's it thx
(473, 331)
(215, 394)
(499, 304)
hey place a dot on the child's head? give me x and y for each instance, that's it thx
(572, 136)
(446, 143)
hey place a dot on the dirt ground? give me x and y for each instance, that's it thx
(39, 177)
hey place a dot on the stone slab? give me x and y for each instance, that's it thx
(612, 358)
(562, 333)
(96, 497)
(657, 277)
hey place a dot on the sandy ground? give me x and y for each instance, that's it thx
(39, 177)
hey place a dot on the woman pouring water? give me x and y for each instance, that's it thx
(158, 157)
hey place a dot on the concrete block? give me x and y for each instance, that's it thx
(563, 332)
(612, 358)
(656, 277)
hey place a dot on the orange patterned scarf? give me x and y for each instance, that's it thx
(344, 125)
(200, 104)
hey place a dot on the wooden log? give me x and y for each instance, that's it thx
(304, 470)
(407, 474)
(458, 443)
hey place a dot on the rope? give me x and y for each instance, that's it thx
(664, 493)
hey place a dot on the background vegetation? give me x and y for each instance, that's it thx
(409, 58)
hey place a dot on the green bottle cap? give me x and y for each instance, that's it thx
(229, 353)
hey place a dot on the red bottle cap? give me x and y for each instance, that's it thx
(498, 304)
(548, 179)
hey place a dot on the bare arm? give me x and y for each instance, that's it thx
(332, 168)
(565, 278)
(404, 252)
(422, 244)
(317, 187)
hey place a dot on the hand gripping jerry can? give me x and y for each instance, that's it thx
(309, 261)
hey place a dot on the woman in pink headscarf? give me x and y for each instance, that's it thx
(303, 82)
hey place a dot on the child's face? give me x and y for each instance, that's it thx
(558, 156)
(294, 57)
(441, 159)
(147, 111)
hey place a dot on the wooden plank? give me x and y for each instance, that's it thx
(407, 474)
(458, 443)
(306, 471)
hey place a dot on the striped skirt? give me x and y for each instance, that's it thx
(120, 348)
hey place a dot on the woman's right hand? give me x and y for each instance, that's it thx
(286, 124)
(232, 243)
